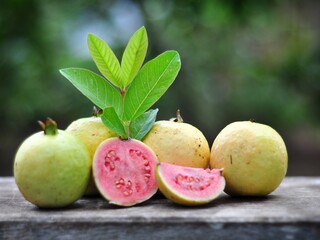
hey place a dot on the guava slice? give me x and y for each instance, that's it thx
(187, 185)
(124, 171)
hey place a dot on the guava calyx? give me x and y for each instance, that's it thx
(49, 127)
(124, 171)
(189, 186)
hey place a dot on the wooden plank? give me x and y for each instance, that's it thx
(291, 212)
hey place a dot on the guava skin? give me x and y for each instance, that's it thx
(178, 143)
(253, 156)
(91, 131)
(52, 171)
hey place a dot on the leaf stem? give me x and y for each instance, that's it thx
(126, 126)
(123, 93)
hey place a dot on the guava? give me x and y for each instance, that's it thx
(187, 185)
(124, 171)
(52, 167)
(253, 156)
(91, 131)
(178, 143)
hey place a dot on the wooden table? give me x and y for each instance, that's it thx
(291, 212)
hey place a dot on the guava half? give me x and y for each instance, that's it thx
(187, 185)
(254, 158)
(124, 171)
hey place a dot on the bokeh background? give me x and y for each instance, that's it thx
(241, 59)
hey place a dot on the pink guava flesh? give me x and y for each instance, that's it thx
(193, 183)
(124, 171)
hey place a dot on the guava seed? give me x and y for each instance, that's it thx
(110, 159)
(129, 184)
(192, 183)
(125, 187)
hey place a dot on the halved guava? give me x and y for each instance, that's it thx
(187, 185)
(124, 171)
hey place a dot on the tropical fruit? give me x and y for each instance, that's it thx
(253, 156)
(178, 143)
(91, 131)
(52, 168)
(124, 171)
(189, 186)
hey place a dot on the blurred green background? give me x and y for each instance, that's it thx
(240, 59)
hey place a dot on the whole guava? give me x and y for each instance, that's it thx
(124, 171)
(52, 167)
(178, 143)
(91, 131)
(187, 185)
(253, 156)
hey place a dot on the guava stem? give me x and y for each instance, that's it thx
(178, 117)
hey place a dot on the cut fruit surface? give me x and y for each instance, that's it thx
(124, 171)
(189, 186)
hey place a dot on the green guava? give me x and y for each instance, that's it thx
(253, 156)
(189, 186)
(52, 167)
(178, 143)
(91, 131)
(124, 171)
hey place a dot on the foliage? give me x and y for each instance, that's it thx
(126, 92)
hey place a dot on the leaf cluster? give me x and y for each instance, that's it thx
(126, 91)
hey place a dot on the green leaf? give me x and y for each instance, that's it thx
(105, 59)
(151, 83)
(94, 87)
(133, 56)
(140, 126)
(111, 119)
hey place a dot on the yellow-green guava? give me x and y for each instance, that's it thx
(91, 131)
(52, 167)
(178, 143)
(253, 157)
